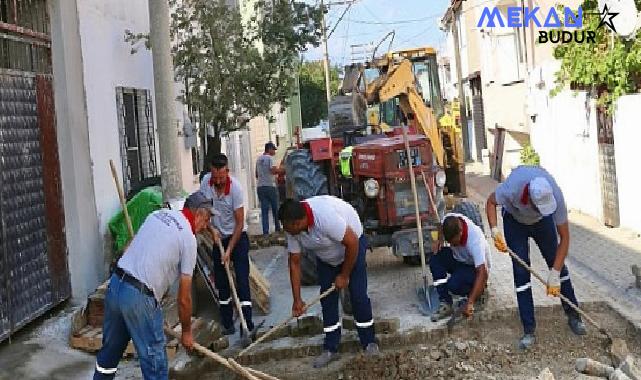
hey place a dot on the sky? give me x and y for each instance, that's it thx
(415, 23)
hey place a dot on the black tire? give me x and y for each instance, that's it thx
(412, 261)
(304, 176)
(471, 210)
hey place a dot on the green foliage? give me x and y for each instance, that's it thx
(235, 68)
(611, 67)
(312, 91)
(529, 156)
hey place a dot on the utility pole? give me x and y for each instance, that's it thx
(328, 91)
(461, 92)
(164, 90)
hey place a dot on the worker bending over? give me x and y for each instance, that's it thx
(163, 250)
(533, 207)
(465, 260)
(331, 229)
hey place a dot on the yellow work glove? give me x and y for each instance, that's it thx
(553, 287)
(499, 241)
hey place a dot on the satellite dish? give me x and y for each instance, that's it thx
(627, 20)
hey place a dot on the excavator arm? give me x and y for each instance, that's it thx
(400, 83)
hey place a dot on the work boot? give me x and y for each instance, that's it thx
(325, 358)
(444, 311)
(231, 330)
(577, 326)
(526, 341)
(372, 349)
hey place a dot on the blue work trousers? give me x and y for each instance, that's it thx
(268, 198)
(545, 236)
(461, 276)
(240, 259)
(131, 314)
(361, 306)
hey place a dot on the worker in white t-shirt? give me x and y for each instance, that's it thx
(229, 220)
(163, 251)
(331, 229)
(465, 260)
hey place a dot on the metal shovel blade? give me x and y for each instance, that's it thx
(428, 301)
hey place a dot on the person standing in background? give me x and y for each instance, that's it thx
(266, 169)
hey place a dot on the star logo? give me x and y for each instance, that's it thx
(606, 18)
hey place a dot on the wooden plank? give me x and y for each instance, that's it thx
(94, 332)
(103, 286)
(259, 288)
(78, 321)
(84, 331)
(258, 277)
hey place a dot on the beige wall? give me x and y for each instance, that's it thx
(472, 35)
(505, 106)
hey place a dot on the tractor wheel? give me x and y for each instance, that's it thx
(304, 176)
(471, 210)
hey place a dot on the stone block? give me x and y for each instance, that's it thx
(618, 351)
(631, 367)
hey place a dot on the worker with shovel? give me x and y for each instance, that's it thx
(229, 221)
(163, 250)
(465, 260)
(534, 207)
(332, 230)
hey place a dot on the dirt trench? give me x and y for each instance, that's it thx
(476, 350)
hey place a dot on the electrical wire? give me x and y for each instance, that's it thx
(339, 19)
(397, 21)
(344, 52)
(417, 35)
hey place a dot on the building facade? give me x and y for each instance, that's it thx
(105, 110)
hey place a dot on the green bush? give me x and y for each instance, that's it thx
(529, 156)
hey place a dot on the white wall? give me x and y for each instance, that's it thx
(84, 243)
(565, 136)
(107, 64)
(627, 135)
(241, 164)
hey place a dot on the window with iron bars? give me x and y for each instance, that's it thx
(137, 140)
(24, 37)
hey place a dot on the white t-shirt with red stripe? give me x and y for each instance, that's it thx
(225, 204)
(328, 221)
(475, 250)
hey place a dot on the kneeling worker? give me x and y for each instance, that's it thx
(331, 229)
(466, 260)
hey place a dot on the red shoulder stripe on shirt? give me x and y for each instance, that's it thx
(309, 213)
(525, 196)
(190, 218)
(463, 232)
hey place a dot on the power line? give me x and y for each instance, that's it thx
(396, 22)
(339, 19)
(371, 13)
(344, 51)
(417, 35)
